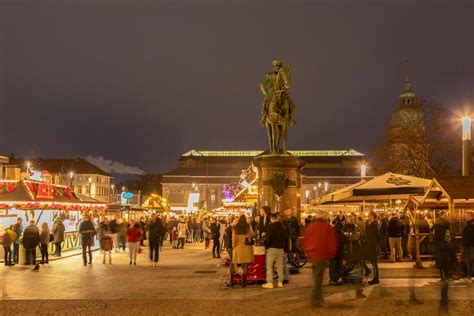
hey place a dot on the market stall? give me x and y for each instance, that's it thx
(43, 202)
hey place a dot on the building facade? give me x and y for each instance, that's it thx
(82, 176)
(202, 177)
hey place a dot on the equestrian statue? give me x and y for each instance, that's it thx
(278, 111)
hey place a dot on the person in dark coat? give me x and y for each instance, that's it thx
(294, 229)
(215, 234)
(155, 232)
(335, 264)
(384, 235)
(371, 245)
(405, 234)
(444, 251)
(18, 229)
(264, 221)
(31, 240)
(228, 248)
(87, 232)
(467, 243)
(395, 237)
(58, 234)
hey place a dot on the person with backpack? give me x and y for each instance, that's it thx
(8, 239)
(106, 245)
(45, 237)
(31, 240)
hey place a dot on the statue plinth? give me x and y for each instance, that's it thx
(279, 182)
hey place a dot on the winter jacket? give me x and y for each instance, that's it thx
(155, 231)
(133, 234)
(44, 236)
(468, 235)
(242, 253)
(294, 229)
(58, 231)
(277, 236)
(8, 238)
(182, 230)
(113, 226)
(31, 237)
(215, 230)
(319, 240)
(370, 247)
(228, 237)
(87, 232)
(395, 228)
(18, 229)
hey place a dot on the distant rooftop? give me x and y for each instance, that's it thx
(254, 153)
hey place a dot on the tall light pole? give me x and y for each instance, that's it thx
(466, 145)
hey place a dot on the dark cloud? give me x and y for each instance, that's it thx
(143, 81)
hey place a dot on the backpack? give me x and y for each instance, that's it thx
(107, 244)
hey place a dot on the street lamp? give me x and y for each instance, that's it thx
(466, 145)
(90, 186)
(307, 196)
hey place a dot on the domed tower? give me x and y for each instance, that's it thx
(406, 144)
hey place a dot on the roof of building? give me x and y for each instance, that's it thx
(254, 153)
(76, 165)
(458, 187)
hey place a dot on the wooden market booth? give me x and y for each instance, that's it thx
(43, 202)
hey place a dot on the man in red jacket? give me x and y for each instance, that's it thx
(320, 245)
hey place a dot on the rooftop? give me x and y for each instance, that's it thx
(254, 153)
(76, 165)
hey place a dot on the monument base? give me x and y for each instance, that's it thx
(279, 182)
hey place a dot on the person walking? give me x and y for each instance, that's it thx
(276, 243)
(31, 240)
(113, 232)
(143, 230)
(215, 234)
(8, 239)
(133, 234)
(121, 238)
(335, 264)
(58, 235)
(182, 233)
(242, 246)
(18, 229)
(228, 248)
(154, 237)
(106, 245)
(87, 233)
(371, 245)
(467, 243)
(206, 232)
(44, 243)
(395, 237)
(320, 245)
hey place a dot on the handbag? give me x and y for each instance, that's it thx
(249, 241)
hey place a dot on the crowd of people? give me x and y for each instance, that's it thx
(346, 243)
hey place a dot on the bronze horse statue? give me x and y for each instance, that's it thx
(277, 109)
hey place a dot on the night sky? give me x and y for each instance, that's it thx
(141, 82)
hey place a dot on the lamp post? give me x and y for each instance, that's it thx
(307, 196)
(90, 186)
(466, 145)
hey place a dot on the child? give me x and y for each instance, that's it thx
(106, 244)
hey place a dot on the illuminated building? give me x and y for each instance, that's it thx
(202, 175)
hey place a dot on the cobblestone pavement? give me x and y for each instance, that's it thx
(190, 282)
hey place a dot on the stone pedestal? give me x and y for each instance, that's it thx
(279, 182)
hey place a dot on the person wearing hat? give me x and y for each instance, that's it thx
(58, 235)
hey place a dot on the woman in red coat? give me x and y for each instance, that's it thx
(133, 234)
